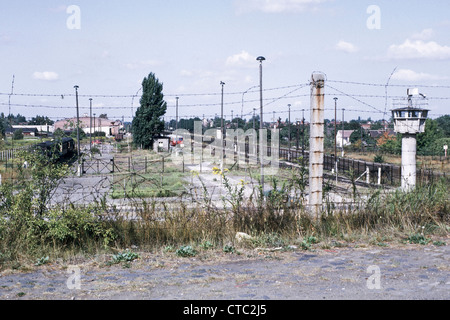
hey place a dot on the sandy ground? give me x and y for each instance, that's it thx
(403, 272)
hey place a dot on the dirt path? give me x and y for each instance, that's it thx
(375, 273)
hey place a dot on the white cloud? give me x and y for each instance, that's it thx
(276, 6)
(346, 47)
(419, 49)
(142, 64)
(426, 34)
(410, 75)
(240, 59)
(46, 76)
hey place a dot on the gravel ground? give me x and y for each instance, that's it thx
(403, 272)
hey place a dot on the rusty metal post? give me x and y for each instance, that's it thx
(316, 154)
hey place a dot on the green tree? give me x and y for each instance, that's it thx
(82, 134)
(437, 148)
(59, 134)
(361, 133)
(444, 124)
(2, 125)
(432, 133)
(40, 121)
(18, 135)
(148, 123)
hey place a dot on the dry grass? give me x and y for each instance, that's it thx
(423, 162)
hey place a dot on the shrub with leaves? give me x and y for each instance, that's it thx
(186, 251)
(126, 256)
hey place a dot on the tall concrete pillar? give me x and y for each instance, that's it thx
(316, 152)
(409, 150)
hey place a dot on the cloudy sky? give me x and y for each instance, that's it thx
(108, 47)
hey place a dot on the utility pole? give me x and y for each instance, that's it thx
(261, 152)
(78, 131)
(222, 131)
(343, 131)
(289, 136)
(10, 115)
(335, 139)
(254, 119)
(176, 124)
(303, 138)
(90, 125)
(361, 130)
(232, 117)
(95, 136)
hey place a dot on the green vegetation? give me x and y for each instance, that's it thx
(148, 123)
(126, 256)
(32, 230)
(186, 251)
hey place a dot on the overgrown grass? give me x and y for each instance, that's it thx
(30, 230)
(169, 184)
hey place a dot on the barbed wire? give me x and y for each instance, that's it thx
(225, 93)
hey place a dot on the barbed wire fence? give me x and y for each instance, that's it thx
(123, 183)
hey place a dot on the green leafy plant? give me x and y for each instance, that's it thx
(439, 243)
(418, 239)
(126, 256)
(229, 249)
(306, 243)
(186, 251)
(206, 245)
(42, 261)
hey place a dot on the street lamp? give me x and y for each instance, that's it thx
(261, 59)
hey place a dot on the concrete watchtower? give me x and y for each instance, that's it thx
(410, 121)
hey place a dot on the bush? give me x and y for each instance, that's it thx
(186, 251)
(18, 135)
(378, 159)
(28, 228)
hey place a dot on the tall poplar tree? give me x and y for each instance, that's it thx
(148, 123)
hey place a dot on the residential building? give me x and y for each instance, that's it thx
(41, 129)
(27, 132)
(109, 127)
(343, 137)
